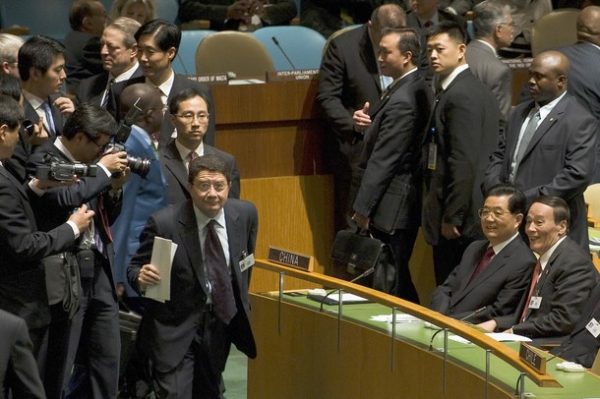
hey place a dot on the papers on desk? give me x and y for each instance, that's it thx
(320, 295)
(163, 252)
(400, 318)
(500, 337)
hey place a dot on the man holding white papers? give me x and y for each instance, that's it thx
(561, 280)
(187, 338)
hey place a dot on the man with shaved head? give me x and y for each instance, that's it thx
(584, 81)
(549, 144)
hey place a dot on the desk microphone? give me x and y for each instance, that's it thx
(473, 313)
(364, 274)
(282, 51)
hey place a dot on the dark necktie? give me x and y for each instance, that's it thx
(534, 279)
(527, 135)
(483, 262)
(428, 24)
(103, 216)
(223, 301)
(49, 119)
(107, 100)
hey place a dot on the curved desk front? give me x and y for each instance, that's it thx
(306, 353)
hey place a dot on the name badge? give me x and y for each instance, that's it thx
(535, 302)
(432, 156)
(593, 327)
(247, 262)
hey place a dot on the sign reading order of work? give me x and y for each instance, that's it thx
(287, 258)
(533, 357)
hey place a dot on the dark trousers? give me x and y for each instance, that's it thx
(95, 343)
(446, 255)
(58, 338)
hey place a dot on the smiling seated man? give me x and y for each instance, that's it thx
(493, 273)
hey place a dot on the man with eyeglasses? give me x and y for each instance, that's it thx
(9, 50)
(493, 273)
(95, 324)
(187, 338)
(561, 280)
(118, 50)
(189, 113)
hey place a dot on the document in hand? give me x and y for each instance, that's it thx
(163, 252)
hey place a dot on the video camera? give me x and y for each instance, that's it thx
(58, 170)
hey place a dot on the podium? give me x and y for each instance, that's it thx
(341, 352)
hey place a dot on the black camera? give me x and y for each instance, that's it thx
(138, 165)
(58, 170)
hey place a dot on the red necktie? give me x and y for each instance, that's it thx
(534, 279)
(483, 263)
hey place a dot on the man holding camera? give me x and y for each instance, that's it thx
(95, 325)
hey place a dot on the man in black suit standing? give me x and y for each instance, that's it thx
(187, 338)
(158, 42)
(493, 273)
(96, 323)
(118, 50)
(19, 374)
(561, 281)
(462, 132)
(189, 114)
(387, 202)
(350, 79)
(584, 82)
(549, 145)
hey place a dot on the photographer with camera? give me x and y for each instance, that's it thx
(95, 324)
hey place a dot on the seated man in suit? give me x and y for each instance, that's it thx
(581, 346)
(243, 15)
(158, 42)
(493, 273)
(189, 114)
(187, 339)
(118, 50)
(493, 30)
(561, 280)
(19, 374)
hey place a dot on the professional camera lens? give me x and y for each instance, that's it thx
(139, 166)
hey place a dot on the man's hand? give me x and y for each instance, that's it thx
(148, 275)
(82, 217)
(238, 10)
(40, 135)
(489, 326)
(361, 220)
(449, 231)
(64, 105)
(115, 162)
(119, 180)
(361, 118)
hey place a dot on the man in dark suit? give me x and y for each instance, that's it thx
(461, 134)
(350, 79)
(22, 286)
(96, 323)
(82, 43)
(19, 374)
(189, 114)
(561, 280)
(118, 50)
(387, 202)
(187, 338)
(584, 82)
(493, 30)
(158, 41)
(581, 346)
(493, 273)
(238, 14)
(549, 145)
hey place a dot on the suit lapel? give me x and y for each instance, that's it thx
(389, 92)
(465, 287)
(234, 231)
(367, 56)
(511, 141)
(190, 238)
(546, 125)
(174, 163)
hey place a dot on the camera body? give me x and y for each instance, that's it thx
(137, 165)
(58, 170)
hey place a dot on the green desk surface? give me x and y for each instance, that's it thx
(575, 385)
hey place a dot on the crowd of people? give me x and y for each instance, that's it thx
(105, 150)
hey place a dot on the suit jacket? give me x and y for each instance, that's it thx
(177, 176)
(499, 287)
(82, 58)
(22, 286)
(279, 12)
(492, 72)
(18, 369)
(581, 346)
(558, 161)
(167, 329)
(141, 198)
(564, 287)
(466, 121)
(392, 151)
(57, 203)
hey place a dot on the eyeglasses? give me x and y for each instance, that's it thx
(204, 186)
(496, 212)
(189, 116)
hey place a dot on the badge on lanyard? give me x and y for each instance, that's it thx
(247, 262)
(535, 302)
(593, 327)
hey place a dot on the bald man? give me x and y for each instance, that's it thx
(549, 145)
(584, 82)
